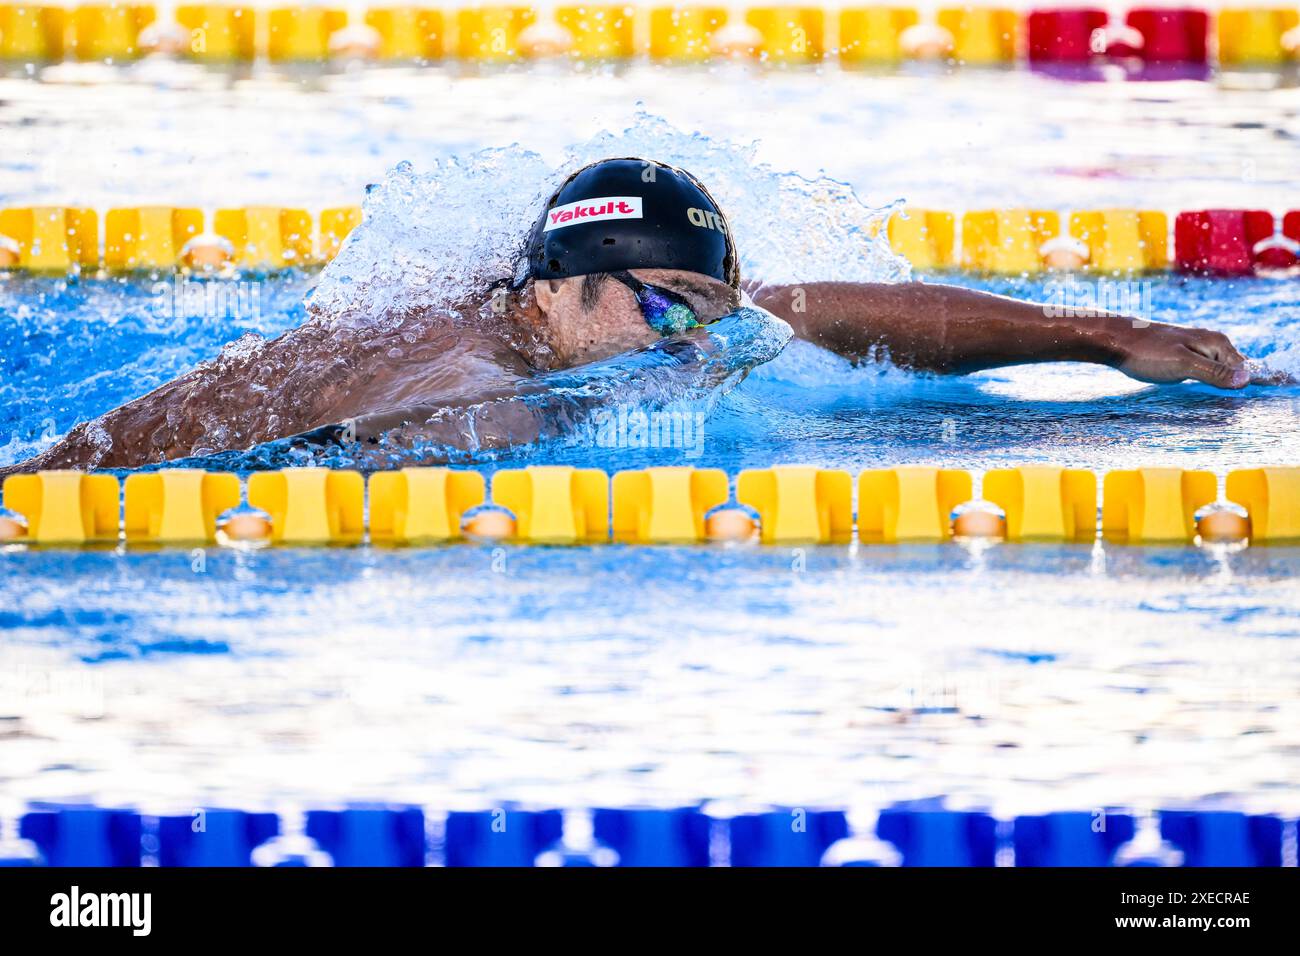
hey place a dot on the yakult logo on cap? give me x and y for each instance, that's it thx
(593, 210)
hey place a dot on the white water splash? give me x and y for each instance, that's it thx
(435, 237)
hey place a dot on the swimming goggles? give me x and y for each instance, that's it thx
(664, 310)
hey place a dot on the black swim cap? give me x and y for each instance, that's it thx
(631, 214)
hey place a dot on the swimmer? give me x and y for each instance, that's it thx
(625, 252)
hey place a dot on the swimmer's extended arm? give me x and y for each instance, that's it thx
(941, 328)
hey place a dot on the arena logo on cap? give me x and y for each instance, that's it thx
(593, 210)
(706, 219)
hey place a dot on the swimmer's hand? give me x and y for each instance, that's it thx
(1160, 354)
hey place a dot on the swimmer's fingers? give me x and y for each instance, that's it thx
(1230, 375)
(1228, 368)
(1216, 347)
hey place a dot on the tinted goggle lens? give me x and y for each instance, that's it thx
(665, 312)
(666, 315)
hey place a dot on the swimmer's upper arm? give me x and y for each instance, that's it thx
(934, 327)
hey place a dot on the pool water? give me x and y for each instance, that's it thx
(75, 350)
(1019, 678)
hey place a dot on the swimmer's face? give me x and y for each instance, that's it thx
(588, 320)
